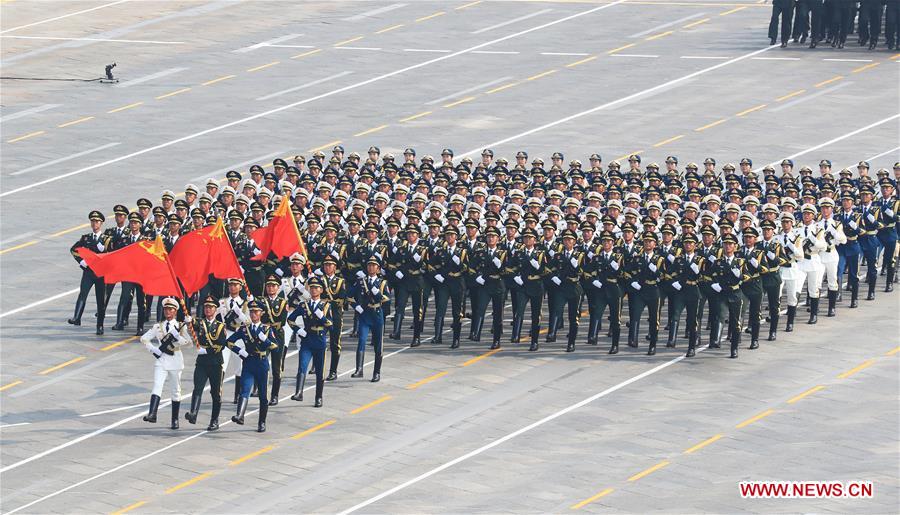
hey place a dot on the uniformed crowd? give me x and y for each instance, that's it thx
(831, 21)
(391, 241)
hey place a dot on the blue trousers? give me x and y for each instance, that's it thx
(371, 321)
(314, 353)
(255, 370)
(870, 246)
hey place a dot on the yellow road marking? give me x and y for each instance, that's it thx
(755, 418)
(711, 125)
(129, 106)
(413, 117)
(333, 143)
(585, 60)
(19, 246)
(430, 16)
(252, 455)
(592, 499)
(461, 101)
(76, 122)
(790, 95)
(388, 29)
(466, 6)
(313, 429)
(129, 508)
(649, 471)
(865, 364)
(543, 74)
(263, 66)
(626, 156)
(172, 94)
(119, 343)
(892, 352)
(70, 229)
(732, 11)
(660, 35)
(501, 88)
(29, 135)
(703, 444)
(476, 359)
(61, 365)
(427, 380)
(614, 50)
(829, 81)
(374, 403)
(670, 140)
(348, 41)
(189, 482)
(895, 57)
(695, 23)
(752, 109)
(220, 79)
(865, 67)
(304, 54)
(811, 391)
(10, 385)
(370, 131)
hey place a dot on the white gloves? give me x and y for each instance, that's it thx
(871, 217)
(736, 272)
(101, 247)
(695, 268)
(518, 280)
(652, 267)
(201, 350)
(82, 264)
(853, 225)
(249, 298)
(416, 257)
(597, 283)
(360, 274)
(399, 274)
(716, 287)
(636, 285)
(375, 291)
(243, 353)
(156, 352)
(574, 262)
(551, 252)
(614, 265)
(590, 254)
(319, 313)
(556, 280)
(712, 258)
(535, 264)
(889, 212)
(456, 260)
(301, 332)
(279, 272)
(439, 278)
(754, 263)
(188, 319)
(479, 280)
(256, 252)
(676, 285)
(671, 258)
(770, 255)
(359, 309)
(497, 262)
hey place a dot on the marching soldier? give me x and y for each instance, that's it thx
(210, 342)
(97, 242)
(489, 265)
(335, 294)
(411, 257)
(672, 294)
(448, 261)
(566, 278)
(131, 290)
(887, 231)
(370, 295)
(608, 264)
(310, 322)
(726, 275)
(791, 275)
(253, 343)
(868, 238)
(530, 263)
(645, 270)
(293, 288)
(834, 236)
(812, 242)
(754, 266)
(275, 312)
(690, 264)
(851, 223)
(771, 274)
(170, 336)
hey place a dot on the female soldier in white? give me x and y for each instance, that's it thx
(833, 231)
(812, 242)
(790, 273)
(170, 335)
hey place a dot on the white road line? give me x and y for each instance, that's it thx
(514, 434)
(17, 238)
(432, 50)
(373, 12)
(313, 98)
(663, 84)
(835, 140)
(510, 22)
(291, 46)
(147, 78)
(776, 58)
(849, 60)
(664, 25)
(100, 40)
(572, 54)
(38, 303)
(467, 90)
(895, 149)
(703, 57)
(303, 86)
(63, 159)
(357, 48)
(16, 425)
(805, 98)
(497, 52)
(286, 37)
(63, 16)
(26, 112)
(645, 56)
(235, 166)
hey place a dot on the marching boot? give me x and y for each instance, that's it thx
(99, 328)
(570, 346)
(534, 338)
(479, 322)
(614, 348)
(79, 310)
(854, 296)
(633, 331)
(457, 329)
(813, 311)
(376, 374)
(673, 334)
(551, 330)
(772, 41)
(871, 295)
(714, 336)
(593, 329)
(652, 349)
(320, 386)
(214, 417)
(832, 299)
(332, 370)
(298, 388)
(496, 343)
(154, 406)
(416, 342)
(191, 415)
(176, 406)
(516, 330)
(276, 388)
(791, 313)
(237, 389)
(261, 425)
(889, 284)
(238, 417)
(360, 360)
(692, 344)
(438, 332)
(773, 329)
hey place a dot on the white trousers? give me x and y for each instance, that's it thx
(159, 381)
(830, 262)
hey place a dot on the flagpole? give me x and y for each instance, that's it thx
(181, 299)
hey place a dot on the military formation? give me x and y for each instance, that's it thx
(390, 243)
(830, 22)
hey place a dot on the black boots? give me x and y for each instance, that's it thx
(176, 406)
(191, 415)
(871, 295)
(673, 334)
(813, 311)
(570, 345)
(615, 334)
(237, 389)
(551, 331)
(154, 406)
(854, 296)
(238, 418)
(376, 374)
(261, 425)
(534, 338)
(832, 300)
(276, 389)
(360, 360)
(332, 370)
(214, 417)
(692, 345)
(79, 310)
(791, 313)
(516, 331)
(496, 342)
(455, 343)
(889, 284)
(320, 386)
(633, 331)
(298, 389)
(416, 342)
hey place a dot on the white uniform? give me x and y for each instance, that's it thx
(790, 275)
(167, 365)
(239, 307)
(812, 242)
(833, 232)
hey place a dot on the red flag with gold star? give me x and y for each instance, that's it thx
(281, 236)
(201, 253)
(145, 263)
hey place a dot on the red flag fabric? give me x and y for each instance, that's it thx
(281, 236)
(200, 253)
(145, 263)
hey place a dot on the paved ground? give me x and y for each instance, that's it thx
(207, 86)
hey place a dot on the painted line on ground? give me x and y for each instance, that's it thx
(306, 85)
(64, 159)
(374, 12)
(665, 25)
(99, 40)
(510, 22)
(148, 78)
(26, 112)
(466, 91)
(261, 44)
(63, 16)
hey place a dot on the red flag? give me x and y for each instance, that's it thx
(281, 236)
(145, 263)
(200, 253)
